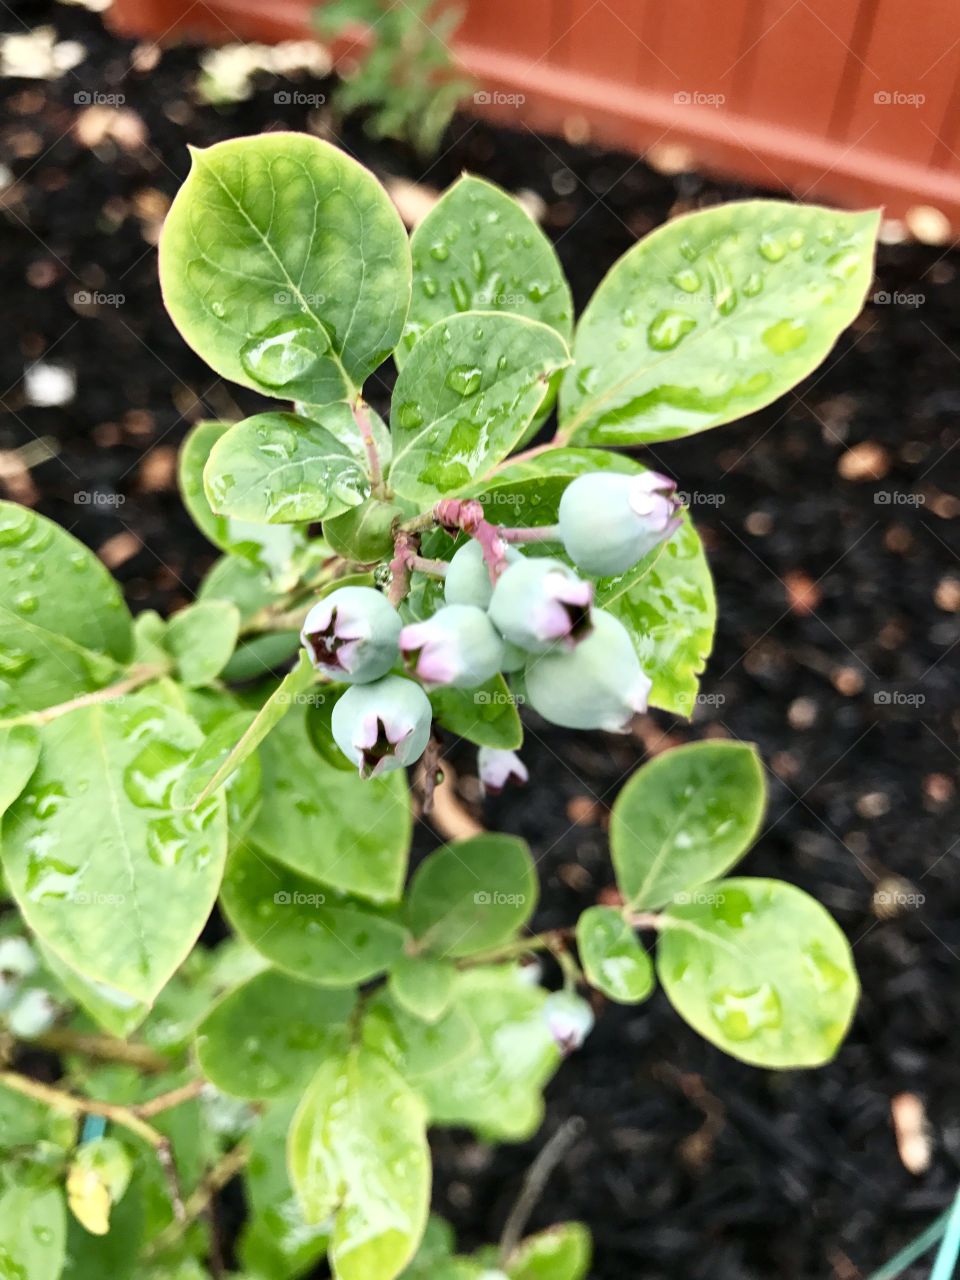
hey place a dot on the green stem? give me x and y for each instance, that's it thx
(102, 1049)
(229, 1165)
(916, 1249)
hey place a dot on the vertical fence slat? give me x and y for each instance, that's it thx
(697, 48)
(913, 53)
(602, 37)
(510, 26)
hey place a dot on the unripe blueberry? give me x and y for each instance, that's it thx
(608, 521)
(498, 768)
(468, 577)
(458, 646)
(538, 604)
(16, 958)
(364, 534)
(382, 726)
(597, 685)
(351, 634)
(569, 1019)
(32, 1015)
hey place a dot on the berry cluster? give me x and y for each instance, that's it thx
(529, 617)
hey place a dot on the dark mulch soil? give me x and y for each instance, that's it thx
(693, 1166)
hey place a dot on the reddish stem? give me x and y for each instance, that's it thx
(466, 515)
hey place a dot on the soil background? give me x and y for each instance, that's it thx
(831, 520)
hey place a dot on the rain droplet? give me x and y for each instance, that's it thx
(667, 329)
(439, 251)
(464, 379)
(741, 1015)
(410, 416)
(285, 351)
(753, 284)
(167, 841)
(149, 779)
(686, 279)
(771, 247)
(784, 336)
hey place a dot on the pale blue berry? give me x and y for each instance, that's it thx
(458, 646)
(597, 685)
(539, 604)
(382, 726)
(468, 577)
(32, 1015)
(569, 1020)
(351, 635)
(609, 521)
(498, 768)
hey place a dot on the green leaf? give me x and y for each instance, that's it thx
(613, 960)
(496, 1090)
(423, 985)
(224, 725)
(759, 969)
(473, 895)
(668, 605)
(464, 396)
(201, 640)
(486, 715)
(276, 1243)
(684, 818)
(277, 468)
(303, 927)
(285, 696)
(117, 1253)
(106, 873)
(479, 250)
(64, 627)
(33, 1232)
(416, 1048)
(118, 1013)
(266, 1036)
(267, 552)
(562, 1252)
(285, 266)
(713, 316)
(358, 1149)
(332, 826)
(19, 753)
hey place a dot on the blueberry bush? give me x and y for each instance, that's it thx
(385, 589)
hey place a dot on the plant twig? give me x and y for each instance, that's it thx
(422, 564)
(131, 1118)
(362, 419)
(226, 1168)
(135, 678)
(533, 1184)
(405, 547)
(102, 1049)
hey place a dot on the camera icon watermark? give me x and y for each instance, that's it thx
(700, 498)
(699, 898)
(95, 899)
(498, 697)
(96, 498)
(897, 498)
(287, 298)
(284, 898)
(898, 698)
(898, 298)
(494, 98)
(494, 898)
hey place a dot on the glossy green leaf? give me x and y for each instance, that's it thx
(33, 1232)
(303, 927)
(684, 818)
(291, 688)
(358, 1149)
(418, 1049)
(350, 833)
(613, 959)
(464, 396)
(115, 1011)
(496, 1090)
(277, 468)
(713, 316)
(217, 715)
(486, 715)
(423, 985)
(19, 753)
(64, 627)
(285, 266)
(276, 1243)
(668, 605)
(114, 1256)
(271, 549)
(666, 601)
(479, 250)
(201, 640)
(761, 970)
(343, 424)
(473, 895)
(562, 1252)
(265, 1037)
(106, 873)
